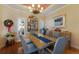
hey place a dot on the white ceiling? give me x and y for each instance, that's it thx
(52, 8)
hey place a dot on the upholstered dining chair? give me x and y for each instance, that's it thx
(27, 47)
(59, 46)
(23, 48)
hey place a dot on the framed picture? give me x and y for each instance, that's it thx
(59, 21)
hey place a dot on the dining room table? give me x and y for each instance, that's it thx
(38, 42)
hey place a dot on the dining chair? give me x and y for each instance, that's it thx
(27, 47)
(59, 46)
(24, 46)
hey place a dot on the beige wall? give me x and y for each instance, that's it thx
(9, 12)
(0, 19)
(71, 13)
(14, 13)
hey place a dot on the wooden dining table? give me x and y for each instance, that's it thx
(37, 42)
(40, 44)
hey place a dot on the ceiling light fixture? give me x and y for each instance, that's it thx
(36, 8)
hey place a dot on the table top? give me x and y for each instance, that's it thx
(50, 38)
(39, 43)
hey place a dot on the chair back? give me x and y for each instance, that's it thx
(23, 43)
(60, 45)
(28, 47)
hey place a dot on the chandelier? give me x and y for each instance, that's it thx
(35, 8)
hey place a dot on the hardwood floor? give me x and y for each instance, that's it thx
(71, 51)
(14, 48)
(10, 49)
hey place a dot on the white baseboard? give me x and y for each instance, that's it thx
(75, 46)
